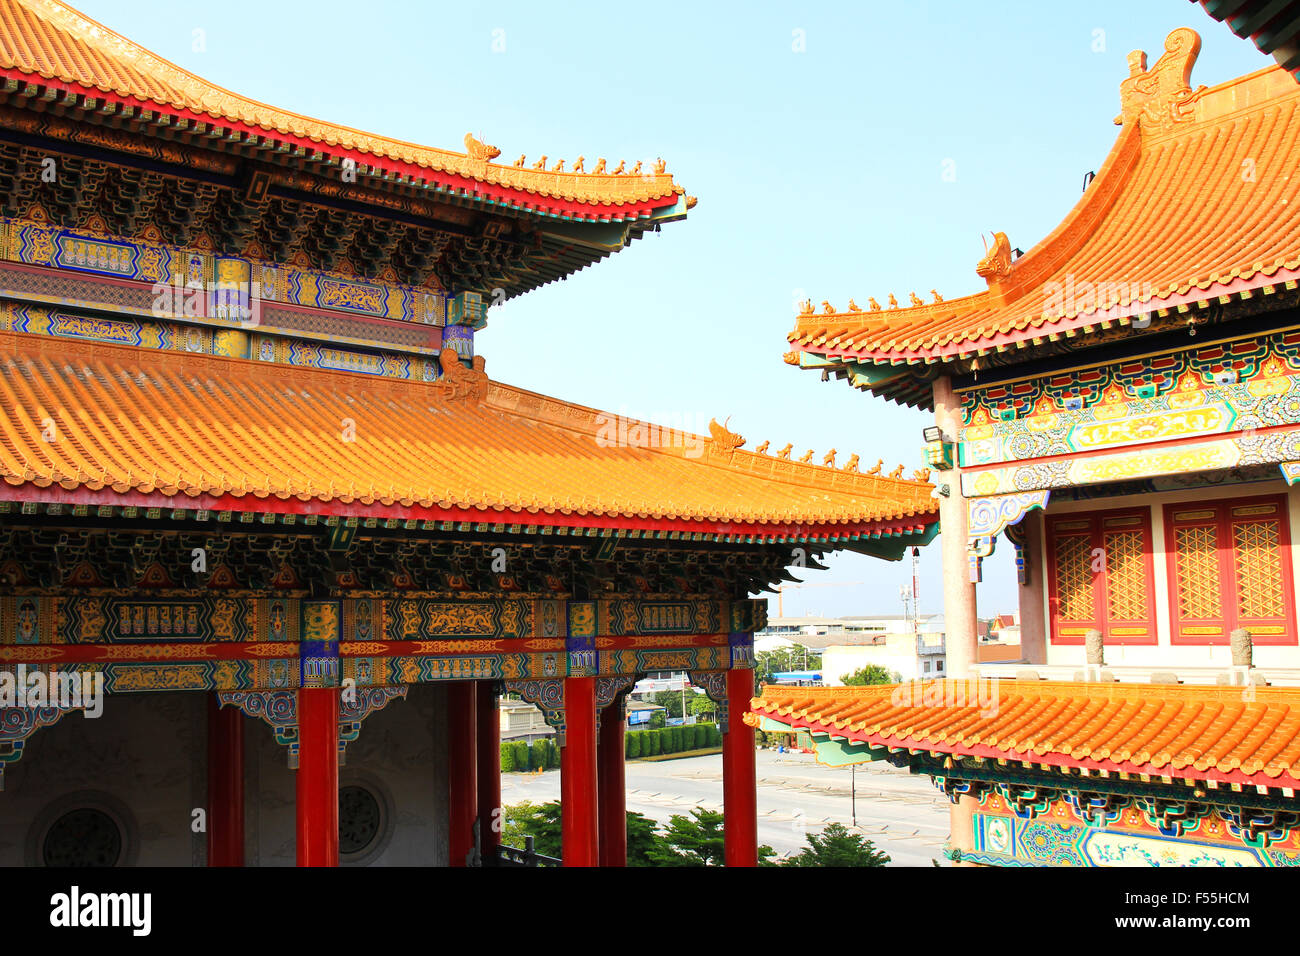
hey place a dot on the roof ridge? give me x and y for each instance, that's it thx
(181, 89)
(711, 449)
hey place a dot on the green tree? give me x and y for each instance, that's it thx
(670, 701)
(642, 839)
(541, 822)
(657, 719)
(696, 840)
(767, 663)
(870, 674)
(836, 846)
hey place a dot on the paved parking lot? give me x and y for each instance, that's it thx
(903, 814)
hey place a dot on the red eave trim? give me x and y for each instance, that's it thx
(521, 199)
(802, 531)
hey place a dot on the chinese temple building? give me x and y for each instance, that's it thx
(258, 485)
(1122, 403)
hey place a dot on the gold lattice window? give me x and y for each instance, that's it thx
(1258, 560)
(1199, 587)
(1126, 576)
(1074, 578)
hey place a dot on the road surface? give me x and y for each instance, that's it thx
(902, 814)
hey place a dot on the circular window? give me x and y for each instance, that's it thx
(83, 837)
(361, 820)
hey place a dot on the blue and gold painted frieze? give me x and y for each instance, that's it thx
(43, 244)
(144, 643)
(200, 340)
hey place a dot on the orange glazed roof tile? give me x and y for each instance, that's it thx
(99, 423)
(1199, 197)
(1235, 734)
(45, 40)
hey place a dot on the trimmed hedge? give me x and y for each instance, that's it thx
(543, 754)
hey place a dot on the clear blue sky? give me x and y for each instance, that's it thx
(819, 174)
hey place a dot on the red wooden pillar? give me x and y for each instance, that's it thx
(739, 785)
(225, 784)
(318, 776)
(462, 774)
(489, 772)
(579, 832)
(612, 801)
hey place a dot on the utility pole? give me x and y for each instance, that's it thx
(853, 792)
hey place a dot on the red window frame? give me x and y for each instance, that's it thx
(1275, 631)
(1096, 525)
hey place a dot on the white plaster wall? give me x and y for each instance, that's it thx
(1165, 654)
(146, 753)
(897, 654)
(401, 753)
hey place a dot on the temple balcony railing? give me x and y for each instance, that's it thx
(1134, 674)
(513, 856)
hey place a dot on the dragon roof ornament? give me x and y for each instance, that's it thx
(1158, 98)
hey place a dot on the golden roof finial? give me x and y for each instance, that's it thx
(851, 464)
(897, 472)
(578, 164)
(540, 164)
(600, 167)
(937, 296)
(829, 460)
(559, 167)
(872, 304)
(806, 307)
(807, 457)
(916, 299)
(619, 170)
(762, 449)
(784, 453)
(827, 307)
(853, 306)
(893, 303)
(876, 470)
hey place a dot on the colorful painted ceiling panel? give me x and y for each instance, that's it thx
(1232, 734)
(1198, 199)
(52, 46)
(101, 423)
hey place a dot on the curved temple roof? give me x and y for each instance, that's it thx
(1199, 198)
(111, 424)
(1162, 730)
(51, 45)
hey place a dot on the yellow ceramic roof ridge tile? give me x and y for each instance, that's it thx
(57, 42)
(1222, 734)
(209, 451)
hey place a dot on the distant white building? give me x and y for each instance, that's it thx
(848, 644)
